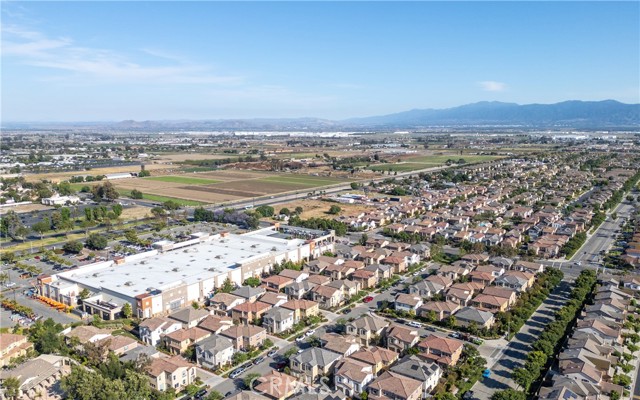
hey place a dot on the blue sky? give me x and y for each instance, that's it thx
(109, 61)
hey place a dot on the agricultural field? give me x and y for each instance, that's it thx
(63, 176)
(219, 186)
(187, 180)
(415, 163)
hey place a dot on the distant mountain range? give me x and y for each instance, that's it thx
(570, 114)
(574, 113)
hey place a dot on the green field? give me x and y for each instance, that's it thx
(307, 181)
(162, 199)
(187, 180)
(402, 167)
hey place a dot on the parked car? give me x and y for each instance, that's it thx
(272, 353)
(236, 373)
(454, 335)
(258, 360)
(368, 299)
(310, 332)
(414, 324)
(300, 339)
(200, 394)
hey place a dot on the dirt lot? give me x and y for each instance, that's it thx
(135, 213)
(25, 208)
(319, 208)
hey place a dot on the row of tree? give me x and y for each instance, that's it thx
(555, 332)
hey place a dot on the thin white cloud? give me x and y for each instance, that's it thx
(493, 86)
(36, 49)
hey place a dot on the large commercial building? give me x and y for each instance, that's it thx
(173, 275)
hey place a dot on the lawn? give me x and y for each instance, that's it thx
(187, 180)
(307, 181)
(162, 199)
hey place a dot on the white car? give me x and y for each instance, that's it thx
(310, 332)
(10, 284)
(414, 324)
(300, 339)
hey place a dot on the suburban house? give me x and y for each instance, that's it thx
(366, 328)
(221, 303)
(487, 302)
(276, 283)
(277, 386)
(308, 365)
(428, 373)
(343, 345)
(327, 296)
(215, 323)
(179, 341)
(352, 376)
(470, 316)
(13, 346)
(391, 385)
(400, 339)
(441, 309)
(299, 290)
(426, 289)
(274, 299)
(378, 357)
(249, 312)
(174, 372)
(407, 302)
(189, 317)
(278, 319)
(249, 293)
(245, 336)
(87, 334)
(214, 352)
(152, 329)
(444, 351)
(302, 309)
(506, 293)
(39, 376)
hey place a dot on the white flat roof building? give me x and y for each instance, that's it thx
(175, 274)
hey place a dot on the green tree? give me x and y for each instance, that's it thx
(97, 241)
(84, 294)
(8, 257)
(41, 227)
(239, 358)
(253, 281)
(249, 380)
(136, 194)
(73, 246)
(227, 286)
(522, 377)
(11, 387)
(354, 185)
(509, 394)
(265, 211)
(334, 209)
(285, 211)
(214, 395)
(299, 210)
(126, 310)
